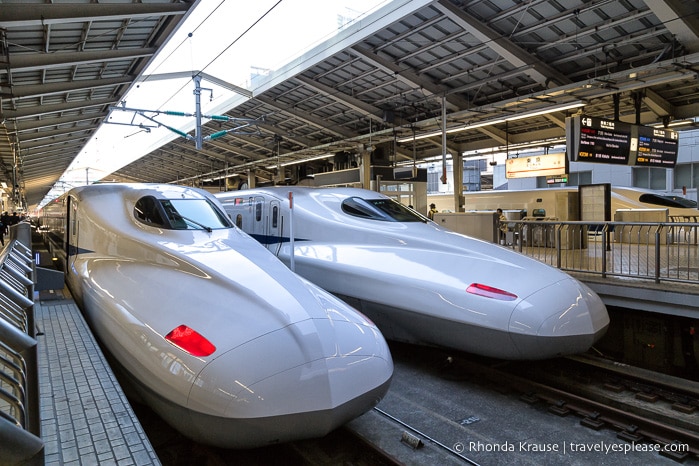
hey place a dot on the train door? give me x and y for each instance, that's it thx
(267, 223)
(71, 232)
(274, 227)
(258, 225)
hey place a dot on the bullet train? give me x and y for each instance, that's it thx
(419, 282)
(221, 339)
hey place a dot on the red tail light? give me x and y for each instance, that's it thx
(490, 292)
(190, 341)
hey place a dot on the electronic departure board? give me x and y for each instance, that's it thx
(598, 140)
(591, 139)
(657, 147)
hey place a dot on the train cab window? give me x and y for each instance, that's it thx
(180, 214)
(386, 210)
(195, 214)
(147, 210)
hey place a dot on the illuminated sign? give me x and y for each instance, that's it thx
(536, 165)
(597, 140)
(657, 147)
(557, 179)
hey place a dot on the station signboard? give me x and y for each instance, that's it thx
(536, 165)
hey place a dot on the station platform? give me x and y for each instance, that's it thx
(85, 416)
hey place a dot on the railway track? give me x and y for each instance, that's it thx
(646, 409)
(421, 421)
(342, 446)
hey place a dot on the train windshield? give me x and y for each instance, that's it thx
(180, 214)
(386, 210)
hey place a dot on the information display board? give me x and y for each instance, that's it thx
(657, 147)
(598, 140)
(591, 139)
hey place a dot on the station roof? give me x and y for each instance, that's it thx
(508, 72)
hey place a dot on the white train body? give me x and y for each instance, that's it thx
(419, 282)
(216, 334)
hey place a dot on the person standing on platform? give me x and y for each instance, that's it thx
(5, 220)
(433, 210)
(503, 226)
(14, 219)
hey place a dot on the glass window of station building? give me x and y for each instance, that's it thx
(687, 176)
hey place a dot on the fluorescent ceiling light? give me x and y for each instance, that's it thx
(294, 162)
(687, 122)
(514, 117)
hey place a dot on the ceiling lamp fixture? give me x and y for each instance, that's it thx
(514, 117)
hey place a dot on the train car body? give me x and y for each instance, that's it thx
(213, 331)
(553, 202)
(419, 282)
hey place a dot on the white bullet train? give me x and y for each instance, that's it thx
(220, 338)
(419, 282)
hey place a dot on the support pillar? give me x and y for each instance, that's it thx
(458, 171)
(365, 169)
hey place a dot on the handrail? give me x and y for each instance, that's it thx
(662, 252)
(20, 441)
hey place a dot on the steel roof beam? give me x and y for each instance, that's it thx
(681, 18)
(355, 104)
(237, 152)
(307, 118)
(41, 152)
(37, 14)
(412, 80)
(29, 125)
(41, 90)
(518, 57)
(57, 140)
(22, 62)
(34, 111)
(29, 138)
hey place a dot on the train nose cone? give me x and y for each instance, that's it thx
(566, 317)
(291, 384)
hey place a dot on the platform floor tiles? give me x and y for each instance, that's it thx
(85, 417)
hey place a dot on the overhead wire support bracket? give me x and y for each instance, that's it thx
(198, 137)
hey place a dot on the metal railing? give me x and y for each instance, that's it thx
(663, 252)
(20, 428)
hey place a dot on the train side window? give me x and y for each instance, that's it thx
(146, 210)
(275, 214)
(74, 218)
(239, 221)
(258, 211)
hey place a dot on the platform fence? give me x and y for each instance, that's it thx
(662, 252)
(20, 424)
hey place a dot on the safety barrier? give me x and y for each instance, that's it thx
(20, 428)
(663, 252)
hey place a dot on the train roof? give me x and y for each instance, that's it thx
(282, 191)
